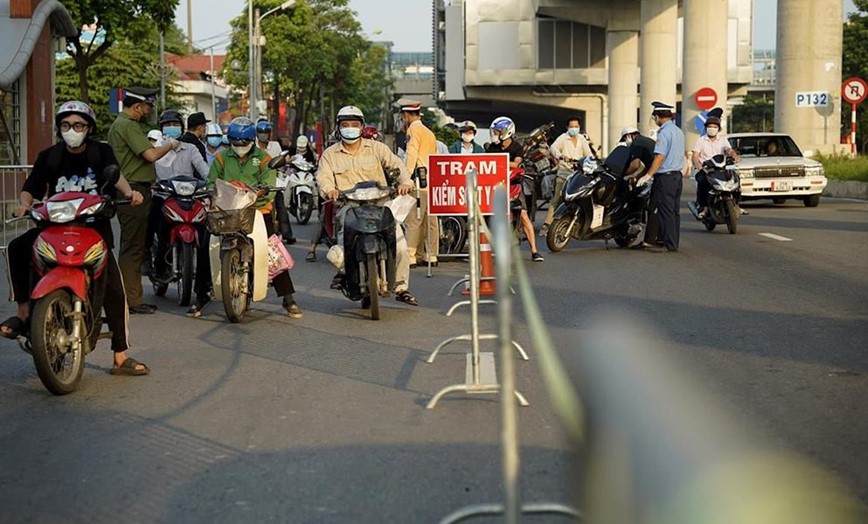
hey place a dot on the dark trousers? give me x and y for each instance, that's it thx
(666, 197)
(155, 216)
(702, 189)
(282, 282)
(134, 230)
(163, 258)
(18, 261)
(284, 224)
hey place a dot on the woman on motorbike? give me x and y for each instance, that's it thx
(77, 163)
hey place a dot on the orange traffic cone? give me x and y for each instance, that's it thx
(486, 262)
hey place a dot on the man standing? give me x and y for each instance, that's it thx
(667, 173)
(420, 144)
(136, 156)
(196, 126)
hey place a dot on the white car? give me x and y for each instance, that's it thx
(772, 166)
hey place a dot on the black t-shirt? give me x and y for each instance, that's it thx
(190, 138)
(57, 170)
(514, 149)
(642, 148)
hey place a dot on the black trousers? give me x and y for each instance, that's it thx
(666, 197)
(702, 189)
(23, 278)
(282, 282)
(163, 258)
(283, 221)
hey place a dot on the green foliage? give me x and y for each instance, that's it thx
(855, 63)
(757, 113)
(844, 167)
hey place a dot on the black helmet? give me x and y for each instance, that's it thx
(171, 115)
(712, 121)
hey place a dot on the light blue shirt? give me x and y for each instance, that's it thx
(670, 144)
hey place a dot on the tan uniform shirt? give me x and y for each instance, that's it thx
(338, 168)
(421, 143)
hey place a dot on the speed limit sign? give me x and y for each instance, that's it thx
(854, 90)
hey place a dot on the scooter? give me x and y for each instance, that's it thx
(238, 248)
(593, 209)
(538, 162)
(69, 258)
(722, 198)
(184, 210)
(299, 181)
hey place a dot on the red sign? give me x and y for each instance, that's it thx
(854, 90)
(447, 184)
(705, 98)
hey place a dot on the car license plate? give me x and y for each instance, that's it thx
(784, 185)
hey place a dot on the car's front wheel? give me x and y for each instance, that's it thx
(812, 200)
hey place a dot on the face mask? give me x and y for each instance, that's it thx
(628, 140)
(350, 134)
(263, 137)
(242, 150)
(467, 137)
(574, 131)
(215, 141)
(73, 138)
(495, 138)
(712, 131)
(172, 131)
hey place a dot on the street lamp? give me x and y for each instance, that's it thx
(255, 54)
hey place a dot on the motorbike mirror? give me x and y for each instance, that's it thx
(111, 174)
(279, 160)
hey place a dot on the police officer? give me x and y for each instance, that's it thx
(667, 172)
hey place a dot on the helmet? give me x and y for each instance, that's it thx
(155, 134)
(350, 113)
(241, 128)
(467, 125)
(213, 130)
(78, 108)
(629, 130)
(712, 121)
(171, 115)
(370, 132)
(264, 126)
(301, 142)
(503, 127)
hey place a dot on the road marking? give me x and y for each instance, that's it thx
(776, 237)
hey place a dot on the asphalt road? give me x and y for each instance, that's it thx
(323, 419)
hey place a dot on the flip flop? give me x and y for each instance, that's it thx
(407, 298)
(15, 327)
(128, 368)
(311, 256)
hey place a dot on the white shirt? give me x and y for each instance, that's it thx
(708, 147)
(273, 148)
(185, 160)
(566, 151)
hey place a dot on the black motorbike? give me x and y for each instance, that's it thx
(538, 162)
(600, 205)
(723, 197)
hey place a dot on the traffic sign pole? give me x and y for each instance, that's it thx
(853, 129)
(854, 90)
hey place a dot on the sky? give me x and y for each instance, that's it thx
(406, 23)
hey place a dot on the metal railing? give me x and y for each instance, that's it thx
(11, 180)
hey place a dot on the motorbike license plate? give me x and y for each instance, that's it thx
(782, 185)
(542, 164)
(597, 220)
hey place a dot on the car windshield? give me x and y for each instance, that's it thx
(764, 145)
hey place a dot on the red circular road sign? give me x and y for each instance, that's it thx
(705, 98)
(854, 90)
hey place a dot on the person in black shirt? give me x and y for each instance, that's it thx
(196, 127)
(75, 164)
(502, 131)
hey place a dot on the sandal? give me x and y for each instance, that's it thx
(311, 256)
(14, 327)
(129, 368)
(407, 298)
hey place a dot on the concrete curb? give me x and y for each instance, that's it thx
(846, 189)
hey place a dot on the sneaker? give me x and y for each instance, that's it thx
(544, 230)
(536, 257)
(195, 310)
(292, 308)
(289, 240)
(143, 309)
(338, 282)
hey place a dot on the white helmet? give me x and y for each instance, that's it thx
(213, 130)
(350, 113)
(629, 130)
(301, 142)
(501, 128)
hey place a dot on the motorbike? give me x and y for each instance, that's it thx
(69, 257)
(600, 205)
(299, 181)
(238, 249)
(538, 162)
(723, 197)
(184, 210)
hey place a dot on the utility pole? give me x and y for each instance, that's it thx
(250, 63)
(162, 73)
(189, 27)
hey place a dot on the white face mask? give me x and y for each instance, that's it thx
(73, 138)
(467, 137)
(712, 131)
(242, 150)
(574, 131)
(628, 140)
(350, 134)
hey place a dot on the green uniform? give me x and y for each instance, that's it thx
(253, 171)
(128, 139)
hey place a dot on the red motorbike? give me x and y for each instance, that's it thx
(69, 258)
(184, 211)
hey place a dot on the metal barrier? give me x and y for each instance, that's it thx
(11, 180)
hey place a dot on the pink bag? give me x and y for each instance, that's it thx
(279, 259)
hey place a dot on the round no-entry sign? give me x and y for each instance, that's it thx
(705, 98)
(854, 90)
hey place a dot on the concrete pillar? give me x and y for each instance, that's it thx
(808, 58)
(658, 56)
(705, 53)
(622, 48)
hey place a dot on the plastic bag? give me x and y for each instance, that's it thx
(279, 259)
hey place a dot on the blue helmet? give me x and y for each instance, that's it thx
(264, 126)
(502, 128)
(241, 129)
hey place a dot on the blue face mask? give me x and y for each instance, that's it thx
(172, 131)
(574, 131)
(215, 141)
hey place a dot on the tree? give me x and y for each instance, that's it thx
(855, 63)
(756, 113)
(107, 21)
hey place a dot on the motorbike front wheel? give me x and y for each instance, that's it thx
(305, 208)
(559, 234)
(373, 285)
(185, 254)
(453, 234)
(59, 363)
(233, 280)
(732, 213)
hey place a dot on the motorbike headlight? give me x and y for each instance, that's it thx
(61, 212)
(727, 185)
(815, 171)
(184, 188)
(93, 209)
(589, 166)
(44, 253)
(368, 193)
